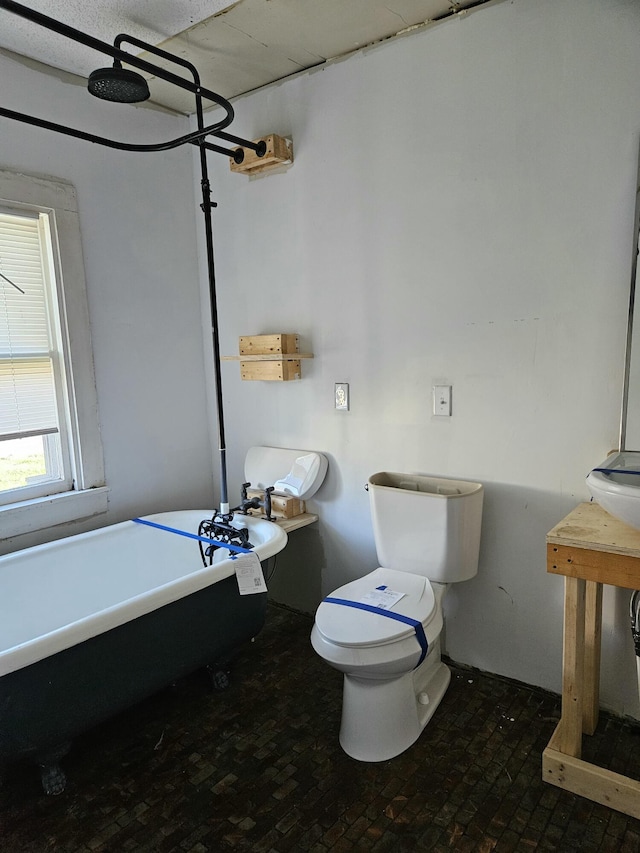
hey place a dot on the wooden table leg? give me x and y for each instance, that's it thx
(592, 646)
(570, 733)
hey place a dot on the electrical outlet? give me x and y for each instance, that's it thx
(442, 400)
(342, 396)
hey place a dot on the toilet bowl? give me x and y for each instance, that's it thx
(391, 680)
(382, 631)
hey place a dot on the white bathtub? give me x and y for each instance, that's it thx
(95, 622)
(56, 595)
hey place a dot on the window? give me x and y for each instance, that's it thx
(51, 467)
(34, 454)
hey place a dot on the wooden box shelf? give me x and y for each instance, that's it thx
(279, 153)
(269, 357)
(282, 506)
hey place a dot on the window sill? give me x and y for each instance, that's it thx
(36, 514)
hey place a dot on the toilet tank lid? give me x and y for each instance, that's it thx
(355, 628)
(446, 487)
(298, 473)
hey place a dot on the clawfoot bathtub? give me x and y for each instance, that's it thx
(94, 623)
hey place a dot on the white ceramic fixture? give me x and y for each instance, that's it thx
(298, 473)
(383, 630)
(615, 485)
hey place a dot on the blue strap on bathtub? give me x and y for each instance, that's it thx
(227, 545)
(615, 471)
(399, 617)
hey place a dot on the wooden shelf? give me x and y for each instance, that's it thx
(298, 521)
(293, 356)
(269, 357)
(279, 153)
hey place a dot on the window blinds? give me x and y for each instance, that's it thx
(27, 388)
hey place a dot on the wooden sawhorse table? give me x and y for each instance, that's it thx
(590, 548)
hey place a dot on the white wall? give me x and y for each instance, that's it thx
(138, 222)
(459, 212)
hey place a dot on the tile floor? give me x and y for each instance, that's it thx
(258, 767)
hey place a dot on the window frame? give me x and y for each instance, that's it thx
(88, 494)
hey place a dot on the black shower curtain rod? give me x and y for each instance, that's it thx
(196, 137)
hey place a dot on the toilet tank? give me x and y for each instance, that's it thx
(428, 526)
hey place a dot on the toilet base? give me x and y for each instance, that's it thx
(383, 718)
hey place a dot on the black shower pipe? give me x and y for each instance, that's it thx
(197, 137)
(116, 53)
(258, 147)
(194, 137)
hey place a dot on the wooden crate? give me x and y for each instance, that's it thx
(279, 153)
(269, 357)
(269, 344)
(277, 371)
(282, 506)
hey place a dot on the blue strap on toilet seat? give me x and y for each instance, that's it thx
(399, 617)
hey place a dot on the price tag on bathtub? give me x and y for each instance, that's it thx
(249, 574)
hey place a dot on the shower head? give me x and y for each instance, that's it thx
(118, 84)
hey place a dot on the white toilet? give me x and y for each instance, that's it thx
(383, 630)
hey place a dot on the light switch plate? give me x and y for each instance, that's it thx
(442, 400)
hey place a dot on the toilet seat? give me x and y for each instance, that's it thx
(352, 627)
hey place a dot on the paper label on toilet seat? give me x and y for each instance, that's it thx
(249, 574)
(382, 598)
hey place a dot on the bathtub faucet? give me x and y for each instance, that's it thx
(220, 530)
(255, 502)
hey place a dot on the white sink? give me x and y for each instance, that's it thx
(615, 485)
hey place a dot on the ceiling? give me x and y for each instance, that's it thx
(236, 46)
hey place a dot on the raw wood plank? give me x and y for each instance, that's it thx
(276, 357)
(572, 667)
(280, 371)
(279, 153)
(592, 652)
(556, 737)
(594, 565)
(595, 783)
(589, 526)
(269, 344)
(289, 524)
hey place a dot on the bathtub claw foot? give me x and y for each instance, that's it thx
(53, 779)
(52, 775)
(219, 677)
